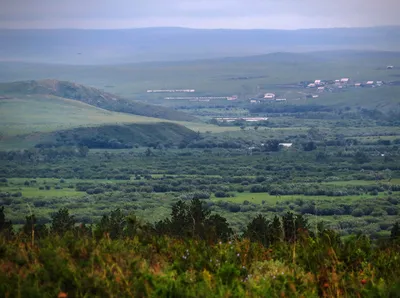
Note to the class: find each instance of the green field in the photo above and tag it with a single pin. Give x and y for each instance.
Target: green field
(37, 114)
(258, 198)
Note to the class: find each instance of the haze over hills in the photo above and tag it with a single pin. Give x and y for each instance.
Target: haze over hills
(168, 44)
(91, 96)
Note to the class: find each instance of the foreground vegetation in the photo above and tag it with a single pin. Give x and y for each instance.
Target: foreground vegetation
(192, 253)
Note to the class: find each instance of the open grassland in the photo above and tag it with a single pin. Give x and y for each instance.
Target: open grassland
(47, 113)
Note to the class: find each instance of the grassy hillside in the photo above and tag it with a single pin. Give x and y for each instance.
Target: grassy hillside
(27, 114)
(23, 120)
(91, 96)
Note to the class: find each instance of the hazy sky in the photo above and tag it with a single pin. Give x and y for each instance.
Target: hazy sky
(243, 14)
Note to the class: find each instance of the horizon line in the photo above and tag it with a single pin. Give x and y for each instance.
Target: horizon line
(205, 29)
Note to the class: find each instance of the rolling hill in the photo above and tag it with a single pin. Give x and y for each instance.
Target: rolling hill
(26, 120)
(119, 136)
(91, 96)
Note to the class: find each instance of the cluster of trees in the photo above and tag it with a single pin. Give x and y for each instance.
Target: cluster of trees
(271, 108)
(44, 153)
(188, 220)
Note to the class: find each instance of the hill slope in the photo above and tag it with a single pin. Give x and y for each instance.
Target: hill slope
(91, 96)
(166, 44)
(119, 136)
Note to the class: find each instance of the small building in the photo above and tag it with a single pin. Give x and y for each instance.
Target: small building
(357, 84)
(315, 96)
(344, 80)
(390, 67)
(317, 82)
(280, 99)
(321, 89)
(379, 83)
(253, 101)
(369, 83)
(255, 119)
(337, 81)
(286, 145)
(269, 96)
(312, 85)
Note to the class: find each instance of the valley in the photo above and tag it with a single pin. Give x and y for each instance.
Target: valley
(211, 152)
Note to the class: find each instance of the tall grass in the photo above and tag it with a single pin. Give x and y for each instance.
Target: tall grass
(159, 266)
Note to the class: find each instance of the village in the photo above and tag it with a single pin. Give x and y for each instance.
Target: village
(314, 89)
(305, 90)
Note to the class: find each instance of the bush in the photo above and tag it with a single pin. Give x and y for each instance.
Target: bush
(257, 188)
(221, 194)
(358, 212)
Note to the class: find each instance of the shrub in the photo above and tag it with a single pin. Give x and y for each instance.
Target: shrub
(358, 212)
(221, 194)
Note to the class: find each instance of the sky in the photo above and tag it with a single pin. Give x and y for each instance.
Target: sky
(210, 14)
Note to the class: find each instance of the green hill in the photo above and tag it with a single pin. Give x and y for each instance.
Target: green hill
(119, 136)
(26, 120)
(91, 96)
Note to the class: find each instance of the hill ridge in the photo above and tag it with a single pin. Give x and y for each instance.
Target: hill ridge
(91, 96)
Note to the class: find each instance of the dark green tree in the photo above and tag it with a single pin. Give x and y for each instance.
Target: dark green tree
(258, 230)
(395, 232)
(179, 222)
(218, 228)
(62, 222)
(289, 227)
(197, 215)
(5, 225)
(113, 224)
(276, 230)
(32, 229)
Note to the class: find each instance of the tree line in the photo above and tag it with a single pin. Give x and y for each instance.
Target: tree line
(187, 220)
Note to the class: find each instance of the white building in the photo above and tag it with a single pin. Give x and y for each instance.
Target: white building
(286, 145)
(344, 80)
(269, 96)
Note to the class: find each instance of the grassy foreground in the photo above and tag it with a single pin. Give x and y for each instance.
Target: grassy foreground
(166, 267)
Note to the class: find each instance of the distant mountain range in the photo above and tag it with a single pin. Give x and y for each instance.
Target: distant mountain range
(168, 44)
